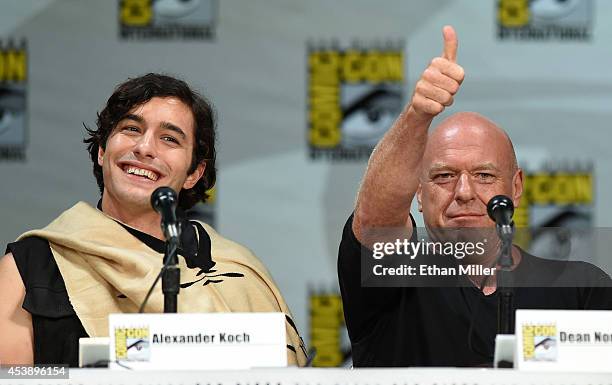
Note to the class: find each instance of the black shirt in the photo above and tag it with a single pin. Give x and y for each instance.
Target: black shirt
(442, 326)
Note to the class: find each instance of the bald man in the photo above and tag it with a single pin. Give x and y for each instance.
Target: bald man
(453, 172)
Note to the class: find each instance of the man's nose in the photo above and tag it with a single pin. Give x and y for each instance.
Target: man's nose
(146, 146)
(464, 190)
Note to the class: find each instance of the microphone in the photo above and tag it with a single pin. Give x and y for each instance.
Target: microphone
(164, 201)
(500, 209)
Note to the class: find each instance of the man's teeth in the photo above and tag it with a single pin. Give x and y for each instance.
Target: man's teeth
(139, 171)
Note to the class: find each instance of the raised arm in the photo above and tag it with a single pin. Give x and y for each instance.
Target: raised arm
(392, 176)
(16, 346)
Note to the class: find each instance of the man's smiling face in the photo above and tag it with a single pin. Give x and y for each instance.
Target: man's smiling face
(151, 146)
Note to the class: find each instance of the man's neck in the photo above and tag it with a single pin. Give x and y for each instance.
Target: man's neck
(144, 219)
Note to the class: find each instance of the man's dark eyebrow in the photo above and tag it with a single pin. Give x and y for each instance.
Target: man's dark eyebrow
(164, 125)
(172, 127)
(136, 118)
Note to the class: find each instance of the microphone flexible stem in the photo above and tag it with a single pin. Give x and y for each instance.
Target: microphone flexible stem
(505, 282)
(171, 277)
(159, 275)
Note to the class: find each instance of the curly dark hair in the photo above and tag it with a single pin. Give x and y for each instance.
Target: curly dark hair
(137, 91)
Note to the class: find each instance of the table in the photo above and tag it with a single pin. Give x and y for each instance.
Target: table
(318, 376)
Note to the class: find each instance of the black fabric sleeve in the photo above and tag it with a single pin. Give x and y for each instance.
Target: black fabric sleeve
(45, 289)
(56, 327)
(599, 295)
(362, 305)
(590, 285)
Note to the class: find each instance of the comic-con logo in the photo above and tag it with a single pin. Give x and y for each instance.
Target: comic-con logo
(13, 108)
(326, 326)
(557, 210)
(539, 342)
(132, 344)
(544, 19)
(167, 19)
(354, 95)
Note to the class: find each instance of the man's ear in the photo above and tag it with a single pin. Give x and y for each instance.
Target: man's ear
(517, 187)
(418, 197)
(195, 176)
(100, 156)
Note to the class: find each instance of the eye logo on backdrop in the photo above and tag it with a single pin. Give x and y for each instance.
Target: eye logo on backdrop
(167, 19)
(354, 95)
(556, 196)
(541, 20)
(13, 108)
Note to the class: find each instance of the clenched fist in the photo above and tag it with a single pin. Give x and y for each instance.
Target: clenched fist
(440, 81)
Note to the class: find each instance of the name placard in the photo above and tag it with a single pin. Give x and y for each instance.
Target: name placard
(197, 341)
(567, 340)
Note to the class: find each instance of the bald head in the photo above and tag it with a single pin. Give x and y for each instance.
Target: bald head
(471, 130)
(468, 160)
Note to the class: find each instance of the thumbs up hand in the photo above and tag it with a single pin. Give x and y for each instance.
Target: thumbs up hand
(440, 81)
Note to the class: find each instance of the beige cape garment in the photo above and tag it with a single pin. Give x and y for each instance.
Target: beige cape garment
(100, 261)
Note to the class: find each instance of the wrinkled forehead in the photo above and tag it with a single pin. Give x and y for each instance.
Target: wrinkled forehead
(468, 144)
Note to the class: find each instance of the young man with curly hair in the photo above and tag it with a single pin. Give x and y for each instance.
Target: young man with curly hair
(60, 283)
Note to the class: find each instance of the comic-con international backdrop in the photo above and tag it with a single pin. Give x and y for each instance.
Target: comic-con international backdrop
(303, 90)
